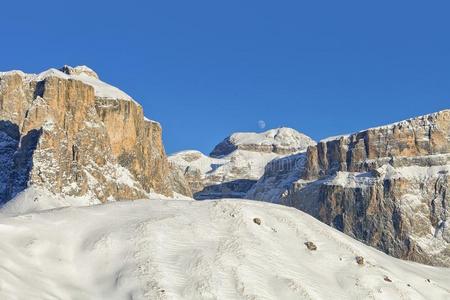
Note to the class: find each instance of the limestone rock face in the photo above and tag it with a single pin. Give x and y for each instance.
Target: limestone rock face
(73, 134)
(136, 143)
(386, 186)
(236, 163)
(369, 149)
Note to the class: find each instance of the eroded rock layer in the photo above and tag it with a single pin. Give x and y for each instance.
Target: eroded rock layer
(387, 186)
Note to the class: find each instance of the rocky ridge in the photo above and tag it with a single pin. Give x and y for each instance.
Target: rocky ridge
(386, 186)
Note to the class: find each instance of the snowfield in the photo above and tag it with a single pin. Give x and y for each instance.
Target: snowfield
(169, 249)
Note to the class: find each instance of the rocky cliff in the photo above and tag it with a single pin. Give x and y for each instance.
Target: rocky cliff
(69, 132)
(386, 186)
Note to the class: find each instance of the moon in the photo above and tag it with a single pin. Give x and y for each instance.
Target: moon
(261, 124)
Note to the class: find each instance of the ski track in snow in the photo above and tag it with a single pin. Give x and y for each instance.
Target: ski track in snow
(169, 249)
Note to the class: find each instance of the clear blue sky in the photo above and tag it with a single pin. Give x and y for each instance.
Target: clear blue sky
(205, 69)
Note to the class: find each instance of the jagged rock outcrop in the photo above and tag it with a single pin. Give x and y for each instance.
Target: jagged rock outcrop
(237, 162)
(71, 133)
(386, 186)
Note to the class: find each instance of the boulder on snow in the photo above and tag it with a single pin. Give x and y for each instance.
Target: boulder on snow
(359, 260)
(257, 221)
(311, 246)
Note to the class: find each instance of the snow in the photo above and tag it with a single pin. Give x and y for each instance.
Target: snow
(152, 122)
(12, 72)
(102, 89)
(35, 199)
(278, 137)
(49, 125)
(361, 179)
(168, 249)
(333, 138)
(351, 179)
(414, 171)
(238, 160)
(124, 176)
(424, 119)
(240, 164)
(196, 159)
(279, 176)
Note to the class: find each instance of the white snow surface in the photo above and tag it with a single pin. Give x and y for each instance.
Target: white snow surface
(359, 179)
(413, 172)
(196, 159)
(85, 74)
(169, 249)
(424, 119)
(36, 198)
(333, 138)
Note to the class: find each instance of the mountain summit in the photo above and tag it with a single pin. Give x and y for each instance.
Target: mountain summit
(70, 133)
(237, 162)
(279, 140)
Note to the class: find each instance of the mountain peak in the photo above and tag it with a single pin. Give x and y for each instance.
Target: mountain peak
(79, 70)
(278, 140)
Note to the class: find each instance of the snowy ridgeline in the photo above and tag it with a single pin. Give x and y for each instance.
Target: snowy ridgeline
(228, 249)
(81, 73)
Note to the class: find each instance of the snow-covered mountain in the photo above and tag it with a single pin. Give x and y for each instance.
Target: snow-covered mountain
(237, 162)
(279, 140)
(75, 135)
(226, 249)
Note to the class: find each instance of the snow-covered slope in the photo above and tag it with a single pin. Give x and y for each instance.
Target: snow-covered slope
(35, 198)
(197, 250)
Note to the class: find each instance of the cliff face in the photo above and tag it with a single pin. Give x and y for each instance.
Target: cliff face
(386, 186)
(369, 149)
(73, 134)
(136, 143)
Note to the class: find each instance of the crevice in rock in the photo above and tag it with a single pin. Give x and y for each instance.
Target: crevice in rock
(16, 159)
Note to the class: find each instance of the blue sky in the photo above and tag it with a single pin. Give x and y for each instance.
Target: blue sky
(205, 69)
